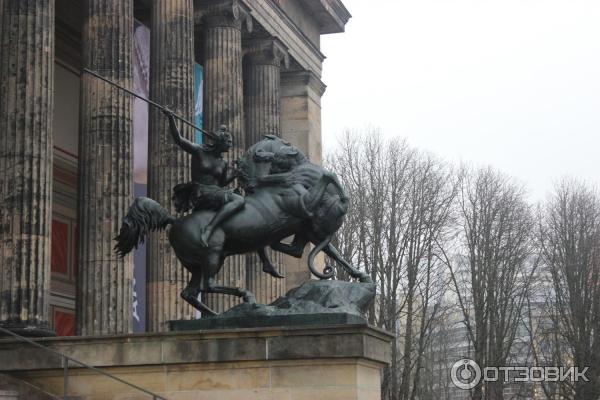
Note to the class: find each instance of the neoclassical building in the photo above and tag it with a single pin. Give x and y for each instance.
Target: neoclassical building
(70, 144)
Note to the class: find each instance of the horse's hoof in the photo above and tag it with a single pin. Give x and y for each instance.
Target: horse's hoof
(250, 299)
(273, 272)
(210, 312)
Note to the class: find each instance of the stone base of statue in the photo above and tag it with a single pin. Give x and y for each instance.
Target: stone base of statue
(334, 355)
(315, 303)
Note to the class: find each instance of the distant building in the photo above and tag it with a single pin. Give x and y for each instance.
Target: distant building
(451, 343)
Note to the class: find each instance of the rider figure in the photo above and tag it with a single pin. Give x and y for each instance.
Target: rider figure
(210, 177)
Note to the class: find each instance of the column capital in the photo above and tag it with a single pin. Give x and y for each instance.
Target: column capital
(223, 13)
(266, 51)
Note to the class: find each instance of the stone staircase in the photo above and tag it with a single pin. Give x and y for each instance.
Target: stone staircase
(12, 388)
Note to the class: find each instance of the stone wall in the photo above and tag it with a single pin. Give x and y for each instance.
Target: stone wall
(327, 362)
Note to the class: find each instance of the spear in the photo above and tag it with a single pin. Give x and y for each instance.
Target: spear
(211, 135)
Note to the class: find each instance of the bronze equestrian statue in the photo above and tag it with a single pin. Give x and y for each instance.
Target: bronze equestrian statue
(208, 187)
(286, 195)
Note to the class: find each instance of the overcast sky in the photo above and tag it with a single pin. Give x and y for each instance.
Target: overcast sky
(510, 83)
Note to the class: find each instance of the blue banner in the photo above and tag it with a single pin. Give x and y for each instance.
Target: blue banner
(198, 103)
(141, 84)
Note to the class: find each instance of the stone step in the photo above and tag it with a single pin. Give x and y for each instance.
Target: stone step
(12, 388)
(9, 395)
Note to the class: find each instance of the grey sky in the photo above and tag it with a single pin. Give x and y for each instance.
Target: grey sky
(510, 83)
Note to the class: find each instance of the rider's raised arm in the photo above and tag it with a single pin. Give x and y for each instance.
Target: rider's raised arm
(182, 142)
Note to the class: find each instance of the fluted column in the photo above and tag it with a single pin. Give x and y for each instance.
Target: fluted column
(223, 104)
(262, 93)
(26, 108)
(222, 56)
(104, 281)
(171, 84)
(262, 114)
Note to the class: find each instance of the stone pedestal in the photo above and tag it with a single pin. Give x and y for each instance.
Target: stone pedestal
(16, 389)
(9, 395)
(26, 110)
(332, 362)
(104, 282)
(171, 84)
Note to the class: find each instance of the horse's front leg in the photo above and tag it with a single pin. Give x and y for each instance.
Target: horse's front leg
(245, 294)
(267, 265)
(294, 249)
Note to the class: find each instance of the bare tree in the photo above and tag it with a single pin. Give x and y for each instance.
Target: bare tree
(439, 356)
(370, 170)
(544, 343)
(429, 196)
(399, 213)
(570, 246)
(524, 298)
(494, 226)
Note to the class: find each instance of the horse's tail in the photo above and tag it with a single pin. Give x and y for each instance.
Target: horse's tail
(144, 215)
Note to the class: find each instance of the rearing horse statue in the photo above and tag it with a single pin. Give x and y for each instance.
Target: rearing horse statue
(286, 195)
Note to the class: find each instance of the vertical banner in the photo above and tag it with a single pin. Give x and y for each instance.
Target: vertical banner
(141, 86)
(198, 104)
(198, 96)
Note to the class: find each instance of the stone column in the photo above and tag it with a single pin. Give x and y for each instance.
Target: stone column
(223, 103)
(171, 84)
(262, 97)
(26, 109)
(262, 112)
(104, 280)
(301, 93)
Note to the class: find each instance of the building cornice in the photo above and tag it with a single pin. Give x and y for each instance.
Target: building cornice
(331, 15)
(292, 81)
(300, 47)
